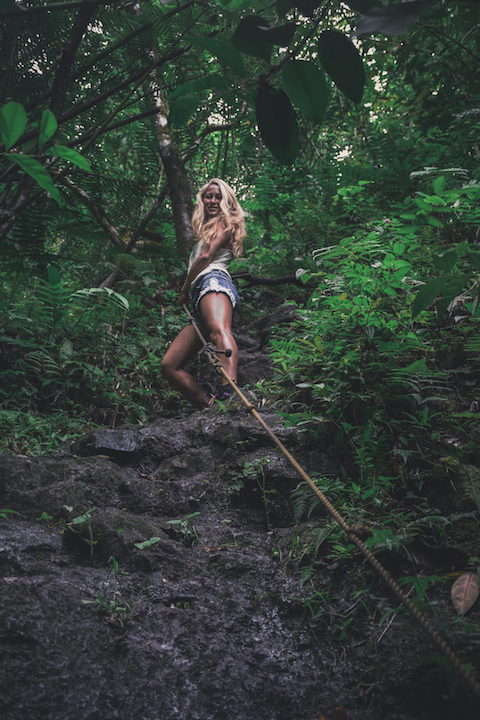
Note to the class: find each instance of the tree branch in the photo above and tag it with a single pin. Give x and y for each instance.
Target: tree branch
(96, 212)
(60, 83)
(82, 70)
(206, 131)
(115, 126)
(257, 280)
(113, 277)
(81, 107)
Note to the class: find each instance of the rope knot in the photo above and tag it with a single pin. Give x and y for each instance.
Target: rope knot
(362, 532)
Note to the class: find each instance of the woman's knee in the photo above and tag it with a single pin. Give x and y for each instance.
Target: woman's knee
(166, 368)
(219, 334)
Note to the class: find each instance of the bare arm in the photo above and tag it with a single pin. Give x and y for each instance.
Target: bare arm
(203, 261)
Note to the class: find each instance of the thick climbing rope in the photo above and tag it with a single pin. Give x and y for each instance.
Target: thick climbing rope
(351, 532)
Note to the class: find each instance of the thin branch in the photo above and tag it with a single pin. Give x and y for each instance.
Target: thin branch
(142, 225)
(105, 53)
(145, 221)
(114, 126)
(83, 69)
(96, 212)
(257, 280)
(206, 131)
(82, 107)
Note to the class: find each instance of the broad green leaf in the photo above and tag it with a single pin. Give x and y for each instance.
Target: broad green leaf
(434, 200)
(182, 110)
(197, 86)
(37, 172)
(71, 155)
(147, 543)
(465, 591)
(281, 35)
(53, 276)
(277, 124)
(434, 221)
(410, 229)
(439, 185)
(340, 59)
(446, 261)
(83, 518)
(390, 20)
(418, 367)
(13, 120)
(48, 125)
(451, 291)
(245, 39)
(221, 50)
(427, 295)
(307, 88)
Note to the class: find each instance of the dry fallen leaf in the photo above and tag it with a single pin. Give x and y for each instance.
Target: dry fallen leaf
(465, 591)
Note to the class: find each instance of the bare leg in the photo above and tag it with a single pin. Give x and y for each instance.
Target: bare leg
(217, 314)
(185, 346)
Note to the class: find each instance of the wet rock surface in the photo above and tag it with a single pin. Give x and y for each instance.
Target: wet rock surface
(208, 622)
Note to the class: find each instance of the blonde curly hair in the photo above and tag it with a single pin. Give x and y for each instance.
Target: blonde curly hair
(231, 217)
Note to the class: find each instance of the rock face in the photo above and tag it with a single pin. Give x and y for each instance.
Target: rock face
(209, 621)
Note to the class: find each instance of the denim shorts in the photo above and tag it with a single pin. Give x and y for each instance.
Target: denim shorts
(214, 281)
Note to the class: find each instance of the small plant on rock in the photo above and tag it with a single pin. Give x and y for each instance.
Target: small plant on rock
(116, 612)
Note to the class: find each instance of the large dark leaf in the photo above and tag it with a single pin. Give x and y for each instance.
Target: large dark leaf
(221, 50)
(245, 39)
(38, 173)
(13, 120)
(307, 88)
(48, 126)
(446, 261)
(71, 155)
(340, 59)
(427, 295)
(390, 20)
(281, 35)
(197, 86)
(277, 124)
(182, 110)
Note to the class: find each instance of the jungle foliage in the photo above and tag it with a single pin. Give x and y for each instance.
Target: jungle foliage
(350, 133)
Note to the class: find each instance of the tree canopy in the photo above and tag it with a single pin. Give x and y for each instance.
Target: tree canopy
(350, 133)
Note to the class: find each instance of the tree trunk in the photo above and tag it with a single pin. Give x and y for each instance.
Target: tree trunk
(178, 183)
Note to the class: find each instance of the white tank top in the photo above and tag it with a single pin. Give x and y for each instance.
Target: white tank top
(220, 261)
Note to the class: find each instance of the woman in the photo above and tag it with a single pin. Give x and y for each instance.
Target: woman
(219, 226)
